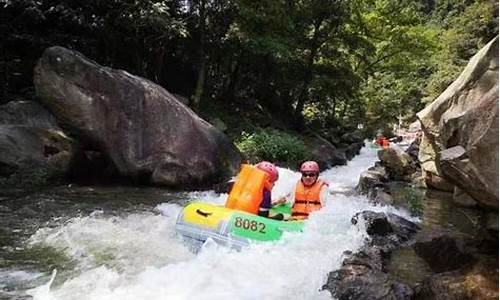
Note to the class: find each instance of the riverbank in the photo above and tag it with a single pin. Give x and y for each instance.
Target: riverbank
(455, 253)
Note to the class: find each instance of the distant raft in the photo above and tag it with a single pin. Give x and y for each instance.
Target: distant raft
(199, 221)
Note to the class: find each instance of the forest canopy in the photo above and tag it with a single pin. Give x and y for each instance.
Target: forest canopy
(312, 63)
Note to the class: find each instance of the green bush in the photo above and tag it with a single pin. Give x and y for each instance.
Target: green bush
(271, 145)
(414, 202)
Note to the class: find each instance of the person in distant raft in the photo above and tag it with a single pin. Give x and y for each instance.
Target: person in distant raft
(310, 192)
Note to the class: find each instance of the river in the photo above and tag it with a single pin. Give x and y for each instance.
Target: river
(81, 243)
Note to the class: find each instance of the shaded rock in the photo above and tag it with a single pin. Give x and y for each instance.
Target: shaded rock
(353, 149)
(376, 223)
(430, 173)
(388, 231)
(219, 124)
(223, 187)
(181, 99)
(478, 282)
(145, 131)
(413, 149)
(398, 164)
(36, 154)
(26, 113)
(461, 127)
(445, 251)
(370, 179)
(324, 152)
(382, 198)
(352, 138)
(461, 198)
(492, 224)
(363, 275)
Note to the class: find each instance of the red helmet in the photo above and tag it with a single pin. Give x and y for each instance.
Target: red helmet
(270, 169)
(309, 166)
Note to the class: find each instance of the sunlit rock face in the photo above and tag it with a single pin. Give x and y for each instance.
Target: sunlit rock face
(146, 132)
(461, 127)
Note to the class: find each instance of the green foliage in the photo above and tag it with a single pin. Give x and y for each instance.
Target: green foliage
(414, 202)
(321, 62)
(30, 175)
(466, 27)
(271, 145)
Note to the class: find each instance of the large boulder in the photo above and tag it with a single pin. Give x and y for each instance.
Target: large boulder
(324, 152)
(413, 150)
(146, 132)
(398, 164)
(461, 126)
(427, 157)
(369, 180)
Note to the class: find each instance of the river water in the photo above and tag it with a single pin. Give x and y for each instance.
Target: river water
(81, 243)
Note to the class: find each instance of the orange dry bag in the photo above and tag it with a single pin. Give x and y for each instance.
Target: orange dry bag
(248, 190)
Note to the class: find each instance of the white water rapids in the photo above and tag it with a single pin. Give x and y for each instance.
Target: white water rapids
(139, 256)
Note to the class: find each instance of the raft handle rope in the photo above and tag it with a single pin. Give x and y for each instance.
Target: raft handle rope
(205, 214)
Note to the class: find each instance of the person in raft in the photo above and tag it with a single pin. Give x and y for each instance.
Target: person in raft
(267, 203)
(262, 202)
(310, 192)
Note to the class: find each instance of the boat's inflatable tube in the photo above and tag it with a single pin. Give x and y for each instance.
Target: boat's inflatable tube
(199, 221)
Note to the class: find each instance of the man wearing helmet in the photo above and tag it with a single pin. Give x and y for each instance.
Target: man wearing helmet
(310, 192)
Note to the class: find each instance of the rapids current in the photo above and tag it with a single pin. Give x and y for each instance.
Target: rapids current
(127, 249)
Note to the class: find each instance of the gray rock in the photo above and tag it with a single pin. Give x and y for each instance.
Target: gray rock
(461, 198)
(471, 283)
(398, 164)
(362, 275)
(35, 151)
(26, 113)
(371, 179)
(383, 198)
(461, 130)
(324, 152)
(492, 223)
(219, 124)
(352, 138)
(146, 132)
(445, 250)
(388, 231)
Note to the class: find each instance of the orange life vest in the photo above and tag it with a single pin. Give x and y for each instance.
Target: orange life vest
(248, 190)
(307, 199)
(385, 143)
